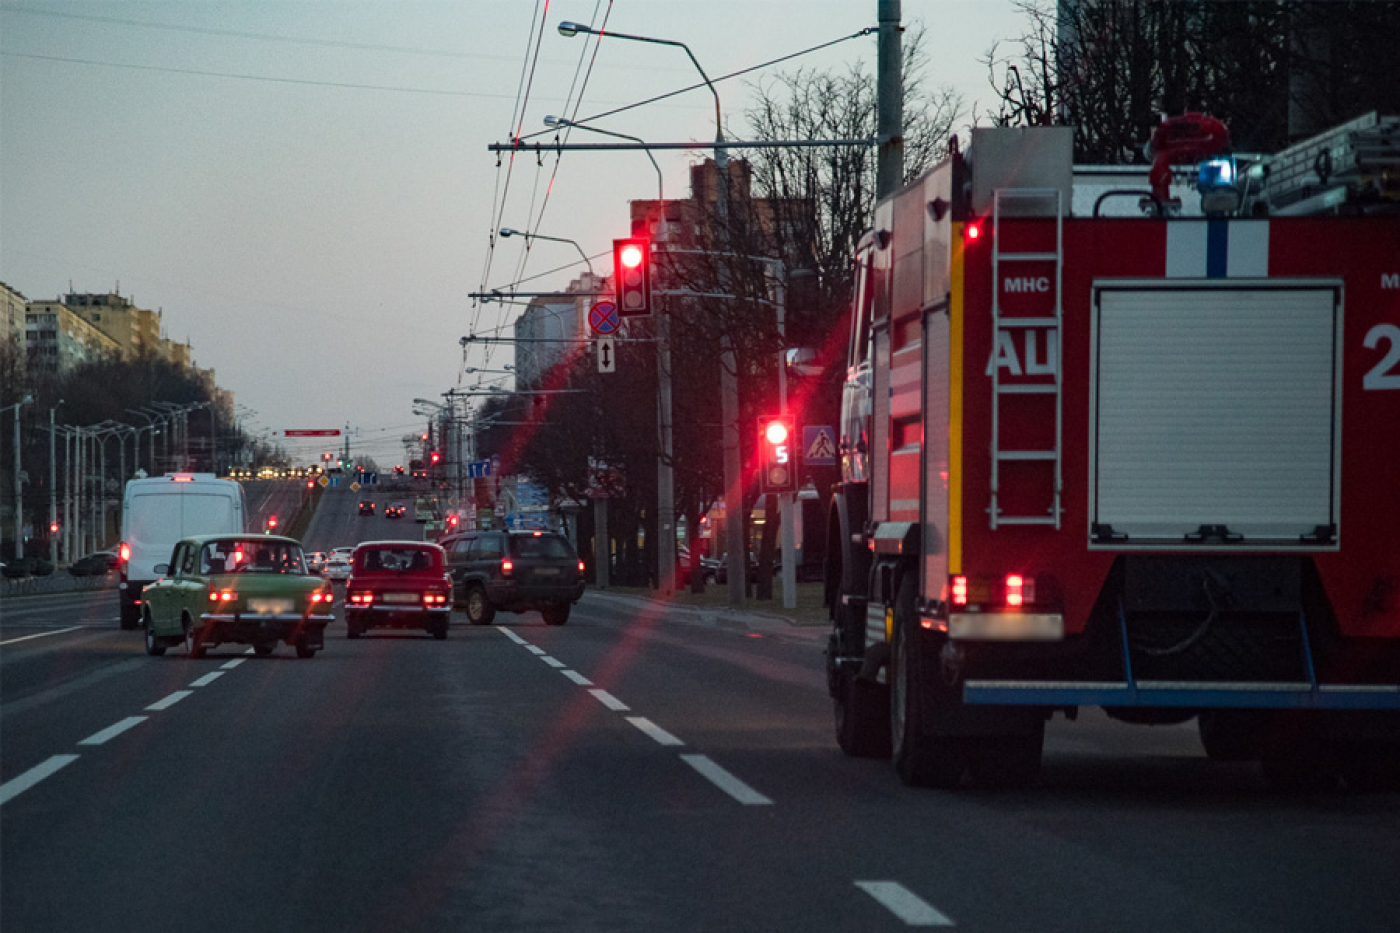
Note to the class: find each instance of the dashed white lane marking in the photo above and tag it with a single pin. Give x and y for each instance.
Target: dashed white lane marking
(577, 678)
(230, 665)
(112, 731)
(904, 904)
(536, 650)
(610, 701)
(726, 781)
(169, 701)
(553, 662)
(511, 635)
(57, 631)
(21, 783)
(661, 736)
(207, 679)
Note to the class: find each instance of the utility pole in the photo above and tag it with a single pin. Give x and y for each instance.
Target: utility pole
(889, 119)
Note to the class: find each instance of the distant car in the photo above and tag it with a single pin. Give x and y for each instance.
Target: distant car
(366, 506)
(515, 571)
(337, 569)
(316, 561)
(343, 552)
(95, 564)
(248, 589)
(395, 510)
(398, 584)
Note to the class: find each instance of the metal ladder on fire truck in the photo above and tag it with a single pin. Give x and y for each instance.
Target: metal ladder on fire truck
(1036, 202)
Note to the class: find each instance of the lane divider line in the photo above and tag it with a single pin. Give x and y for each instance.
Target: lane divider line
(57, 631)
(577, 678)
(650, 728)
(725, 781)
(536, 650)
(207, 679)
(555, 663)
(913, 910)
(169, 701)
(610, 701)
(22, 782)
(230, 665)
(112, 731)
(511, 635)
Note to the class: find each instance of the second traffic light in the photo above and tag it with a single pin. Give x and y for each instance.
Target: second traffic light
(777, 465)
(632, 276)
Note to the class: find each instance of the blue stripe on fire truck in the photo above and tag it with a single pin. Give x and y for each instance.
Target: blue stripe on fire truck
(1217, 249)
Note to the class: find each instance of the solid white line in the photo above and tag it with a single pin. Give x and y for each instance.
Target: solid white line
(652, 729)
(57, 631)
(112, 731)
(904, 904)
(554, 662)
(169, 701)
(21, 783)
(726, 781)
(230, 665)
(610, 701)
(577, 678)
(207, 679)
(511, 635)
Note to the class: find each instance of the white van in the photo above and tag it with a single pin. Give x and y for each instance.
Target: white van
(159, 511)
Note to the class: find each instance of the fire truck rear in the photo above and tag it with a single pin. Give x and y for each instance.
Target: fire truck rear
(1098, 452)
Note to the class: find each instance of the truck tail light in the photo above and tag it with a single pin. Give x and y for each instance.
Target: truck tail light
(580, 565)
(507, 565)
(1015, 590)
(124, 552)
(959, 590)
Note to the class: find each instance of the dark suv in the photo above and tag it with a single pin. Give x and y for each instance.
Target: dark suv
(514, 571)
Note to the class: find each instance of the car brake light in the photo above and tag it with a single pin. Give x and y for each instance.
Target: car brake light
(959, 590)
(222, 596)
(363, 598)
(580, 566)
(182, 478)
(507, 565)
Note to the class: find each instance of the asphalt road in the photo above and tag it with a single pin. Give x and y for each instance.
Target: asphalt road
(637, 769)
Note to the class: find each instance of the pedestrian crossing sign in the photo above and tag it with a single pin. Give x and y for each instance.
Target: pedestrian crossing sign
(818, 445)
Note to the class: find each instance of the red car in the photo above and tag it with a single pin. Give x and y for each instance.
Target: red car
(398, 584)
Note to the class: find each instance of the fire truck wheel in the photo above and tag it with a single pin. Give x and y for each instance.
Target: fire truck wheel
(1006, 761)
(862, 709)
(921, 760)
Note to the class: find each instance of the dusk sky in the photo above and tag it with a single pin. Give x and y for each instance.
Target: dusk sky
(304, 189)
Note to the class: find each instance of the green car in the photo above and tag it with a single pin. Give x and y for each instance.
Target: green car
(249, 589)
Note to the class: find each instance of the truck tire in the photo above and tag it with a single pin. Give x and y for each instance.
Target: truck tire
(921, 760)
(1371, 767)
(557, 614)
(862, 713)
(1300, 764)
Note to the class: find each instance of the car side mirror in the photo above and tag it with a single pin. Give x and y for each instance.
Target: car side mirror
(162, 569)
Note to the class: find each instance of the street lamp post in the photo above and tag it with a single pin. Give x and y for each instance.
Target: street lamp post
(729, 374)
(19, 487)
(528, 236)
(53, 488)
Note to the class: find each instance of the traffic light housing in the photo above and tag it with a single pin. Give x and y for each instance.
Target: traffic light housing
(632, 276)
(777, 440)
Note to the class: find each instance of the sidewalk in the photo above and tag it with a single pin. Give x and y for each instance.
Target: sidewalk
(60, 581)
(712, 607)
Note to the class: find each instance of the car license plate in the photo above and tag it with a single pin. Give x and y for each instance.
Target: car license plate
(267, 607)
(546, 571)
(401, 597)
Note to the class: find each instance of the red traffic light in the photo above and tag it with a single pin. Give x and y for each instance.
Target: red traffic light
(632, 276)
(777, 463)
(436, 456)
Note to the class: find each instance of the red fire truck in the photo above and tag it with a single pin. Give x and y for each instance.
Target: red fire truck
(1105, 449)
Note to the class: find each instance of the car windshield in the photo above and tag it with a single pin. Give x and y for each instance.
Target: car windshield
(251, 555)
(398, 560)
